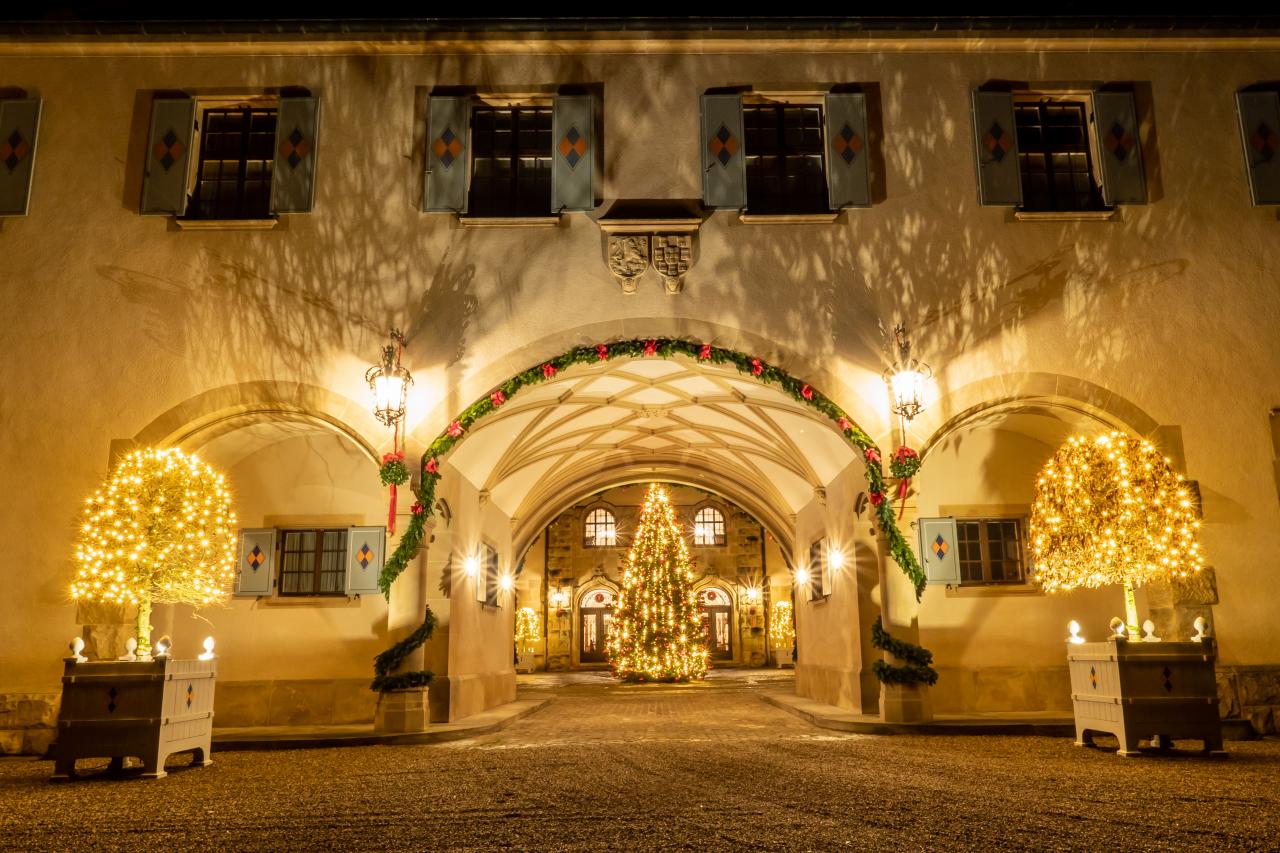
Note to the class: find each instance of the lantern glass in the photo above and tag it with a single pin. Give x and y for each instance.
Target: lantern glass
(907, 385)
(389, 383)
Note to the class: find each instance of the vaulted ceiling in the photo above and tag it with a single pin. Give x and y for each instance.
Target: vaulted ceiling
(627, 417)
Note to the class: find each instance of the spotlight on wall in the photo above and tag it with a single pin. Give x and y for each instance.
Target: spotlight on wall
(506, 582)
(802, 576)
(471, 566)
(835, 559)
(753, 595)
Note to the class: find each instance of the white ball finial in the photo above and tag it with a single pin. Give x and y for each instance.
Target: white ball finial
(77, 646)
(1074, 627)
(1149, 632)
(1202, 629)
(208, 649)
(130, 649)
(1117, 626)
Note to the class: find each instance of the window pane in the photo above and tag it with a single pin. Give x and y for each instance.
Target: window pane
(1053, 156)
(511, 155)
(784, 159)
(237, 147)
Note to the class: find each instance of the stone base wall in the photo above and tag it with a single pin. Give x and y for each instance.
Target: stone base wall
(1251, 693)
(961, 690)
(829, 685)
(28, 722)
(299, 702)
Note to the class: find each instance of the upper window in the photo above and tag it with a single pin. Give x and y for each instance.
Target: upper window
(492, 580)
(708, 527)
(233, 178)
(600, 530)
(990, 550)
(818, 577)
(1054, 155)
(511, 161)
(313, 562)
(784, 159)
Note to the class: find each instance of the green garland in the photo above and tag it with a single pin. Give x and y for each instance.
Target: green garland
(757, 368)
(384, 663)
(918, 661)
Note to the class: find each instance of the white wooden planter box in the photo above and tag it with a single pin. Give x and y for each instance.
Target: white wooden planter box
(527, 663)
(1145, 690)
(145, 709)
(782, 656)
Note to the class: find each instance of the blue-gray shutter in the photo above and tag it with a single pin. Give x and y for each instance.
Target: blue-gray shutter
(574, 154)
(19, 124)
(168, 161)
(938, 550)
(448, 155)
(365, 548)
(1115, 120)
(848, 172)
(1260, 133)
(995, 136)
(257, 561)
(293, 174)
(724, 169)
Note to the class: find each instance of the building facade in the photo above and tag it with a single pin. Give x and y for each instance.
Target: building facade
(206, 238)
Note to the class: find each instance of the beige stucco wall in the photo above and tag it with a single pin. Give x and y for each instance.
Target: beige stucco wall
(119, 318)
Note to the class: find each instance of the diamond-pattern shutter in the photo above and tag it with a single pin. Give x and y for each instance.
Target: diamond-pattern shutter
(724, 169)
(848, 172)
(996, 139)
(19, 124)
(293, 174)
(168, 160)
(938, 551)
(257, 561)
(448, 155)
(1260, 133)
(574, 155)
(365, 549)
(1116, 125)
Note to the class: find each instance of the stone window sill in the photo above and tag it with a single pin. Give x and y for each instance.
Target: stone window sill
(510, 221)
(315, 601)
(227, 224)
(1066, 215)
(788, 218)
(993, 590)
(820, 599)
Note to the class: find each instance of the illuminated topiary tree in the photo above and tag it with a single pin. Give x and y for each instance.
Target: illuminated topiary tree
(782, 628)
(1111, 510)
(161, 529)
(528, 630)
(657, 630)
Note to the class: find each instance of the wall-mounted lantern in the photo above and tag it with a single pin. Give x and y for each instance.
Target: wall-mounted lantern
(906, 378)
(389, 382)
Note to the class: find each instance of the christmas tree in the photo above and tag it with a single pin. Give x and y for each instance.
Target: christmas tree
(657, 628)
(161, 530)
(1111, 510)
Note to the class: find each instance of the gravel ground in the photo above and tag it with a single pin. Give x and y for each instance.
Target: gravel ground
(706, 766)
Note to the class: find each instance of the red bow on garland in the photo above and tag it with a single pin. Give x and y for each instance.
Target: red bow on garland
(391, 464)
(904, 465)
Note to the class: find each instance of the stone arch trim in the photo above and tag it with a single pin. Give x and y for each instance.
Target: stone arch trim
(217, 411)
(1034, 390)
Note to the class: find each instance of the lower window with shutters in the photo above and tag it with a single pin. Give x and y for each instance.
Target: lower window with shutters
(313, 562)
(991, 551)
(510, 161)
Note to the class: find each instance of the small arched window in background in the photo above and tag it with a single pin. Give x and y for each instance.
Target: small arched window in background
(708, 527)
(600, 529)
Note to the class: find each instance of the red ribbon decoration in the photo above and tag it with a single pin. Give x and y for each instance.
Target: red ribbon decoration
(902, 495)
(391, 512)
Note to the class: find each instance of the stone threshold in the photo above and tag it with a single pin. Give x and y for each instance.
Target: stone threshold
(1040, 723)
(315, 737)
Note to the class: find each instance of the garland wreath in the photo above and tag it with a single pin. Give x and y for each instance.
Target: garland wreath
(917, 669)
(411, 540)
(383, 664)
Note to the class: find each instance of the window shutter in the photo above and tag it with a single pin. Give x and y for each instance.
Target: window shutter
(256, 568)
(938, 550)
(19, 124)
(448, 155)
(1115, 121)
(573, 135)
(1260, 133)
(164, 178)
(724, 170)
(995, 134)
(365, 549)
(293, 174)
(848, 172)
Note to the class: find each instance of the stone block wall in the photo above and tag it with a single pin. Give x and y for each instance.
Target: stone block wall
(28, 722)
(1251, 693)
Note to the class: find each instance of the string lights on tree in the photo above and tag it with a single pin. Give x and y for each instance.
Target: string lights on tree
(657, 630)
(1111, 510)
(161, 529)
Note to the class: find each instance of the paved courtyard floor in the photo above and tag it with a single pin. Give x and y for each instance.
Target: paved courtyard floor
(699, 767)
